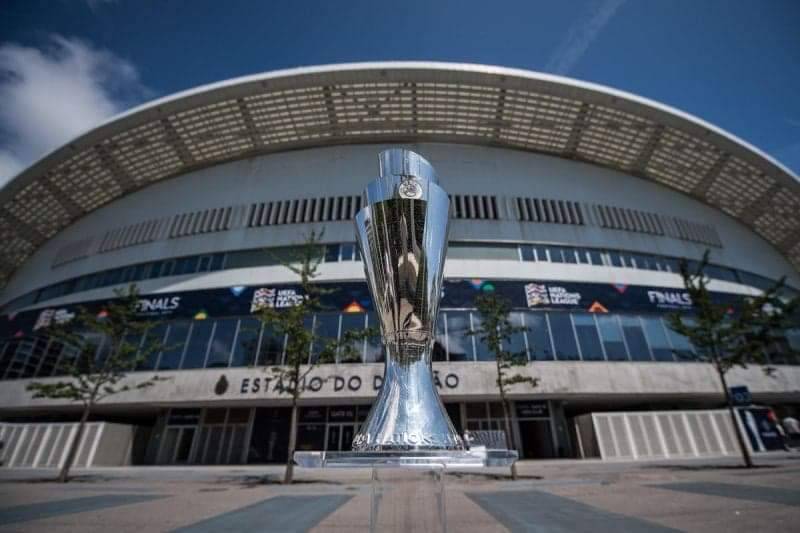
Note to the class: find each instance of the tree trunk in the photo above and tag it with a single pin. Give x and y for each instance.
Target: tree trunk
(509, 434)
(63, 476)
(748, 462)
(289, 474)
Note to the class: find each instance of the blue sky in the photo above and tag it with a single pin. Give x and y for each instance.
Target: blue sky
(66, 65)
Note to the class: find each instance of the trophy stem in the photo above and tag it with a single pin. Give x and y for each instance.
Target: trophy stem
(408, 413)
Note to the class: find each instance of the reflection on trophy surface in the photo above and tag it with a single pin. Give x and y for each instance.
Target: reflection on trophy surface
(402, 233)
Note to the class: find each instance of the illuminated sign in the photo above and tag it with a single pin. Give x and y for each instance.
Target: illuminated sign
(674, 299)
(274, 298)
(48, 317)
(541, 294)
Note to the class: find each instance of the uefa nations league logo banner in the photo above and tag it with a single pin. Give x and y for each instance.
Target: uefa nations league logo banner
(353, 297)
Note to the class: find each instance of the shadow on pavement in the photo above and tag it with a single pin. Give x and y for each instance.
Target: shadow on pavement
(249, 481)
(490, 476)
(707, 468)
(80, 478)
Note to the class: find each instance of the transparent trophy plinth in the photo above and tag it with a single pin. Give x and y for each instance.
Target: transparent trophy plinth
(407, 439)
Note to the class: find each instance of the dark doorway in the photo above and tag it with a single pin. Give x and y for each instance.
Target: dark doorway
(270, 436)
(537, 439)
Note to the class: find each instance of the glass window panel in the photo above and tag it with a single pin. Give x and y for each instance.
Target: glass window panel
(151, 346)
(634, 337)
(611, 334)
(497, 252)
(541, 253)
(563, 337)
(187, 265)
(204, 264)
(476, 410)
(217, 261)
(459, 344)
(555, 254)
(440, 342)
(681, 346)
(112, 277)
(615, 259)
(8, 354)
(174, 345)
(642, 263)
(49, 361)
(155, 270)
(538, 334)
(657, 339)
(569, 255)
(271, 351)
(326, 328)
(595, 257)
(672, 265)
(348, 249)
(583, 256)
(589, 340)
(793, 338)
(138, 271)
(527, 253)
(352, 322)
(331, 253)
(167, 268)
(35, 357)
(219, 350)
(516, 344)
(244, 352)
(482, 352)
(197, 346)
(127, 274)
(66, 360)
(627, 260)
(374, 353)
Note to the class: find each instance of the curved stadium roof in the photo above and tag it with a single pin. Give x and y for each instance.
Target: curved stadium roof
(398, 102)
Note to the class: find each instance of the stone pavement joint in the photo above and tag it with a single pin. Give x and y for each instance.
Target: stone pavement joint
(37, 511)
(739, 492)
(280, 514)
(541, 512)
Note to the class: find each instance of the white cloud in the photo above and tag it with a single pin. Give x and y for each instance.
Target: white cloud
(53, 94)
(581, 35)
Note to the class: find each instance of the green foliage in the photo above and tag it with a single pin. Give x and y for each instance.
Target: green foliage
(495, 331)
(292, 322)
(91, 377)
(728, 337)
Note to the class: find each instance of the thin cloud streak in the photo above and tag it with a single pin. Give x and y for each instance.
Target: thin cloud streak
(580, 37)
(53, 94)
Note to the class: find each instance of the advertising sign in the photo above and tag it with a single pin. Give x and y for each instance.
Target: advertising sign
(354, 297)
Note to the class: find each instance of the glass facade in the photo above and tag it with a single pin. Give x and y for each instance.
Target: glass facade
(242, 341)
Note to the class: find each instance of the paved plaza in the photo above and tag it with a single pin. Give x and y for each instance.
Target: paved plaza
(551, 496)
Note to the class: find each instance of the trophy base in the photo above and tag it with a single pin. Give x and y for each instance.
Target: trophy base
(408, 487)
(476, 457)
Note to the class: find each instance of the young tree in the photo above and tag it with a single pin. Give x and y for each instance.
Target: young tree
(94, 375)
(495, 331)
(291, 322)
(727, 337)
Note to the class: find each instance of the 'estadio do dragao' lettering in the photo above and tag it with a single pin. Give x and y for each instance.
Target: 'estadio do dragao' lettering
(332, 384)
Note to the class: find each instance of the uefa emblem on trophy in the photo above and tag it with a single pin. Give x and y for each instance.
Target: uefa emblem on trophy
(402, 234)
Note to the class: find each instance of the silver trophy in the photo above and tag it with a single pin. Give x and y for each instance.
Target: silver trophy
(402, 234)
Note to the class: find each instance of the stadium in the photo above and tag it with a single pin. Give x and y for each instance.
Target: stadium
(575, 201)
